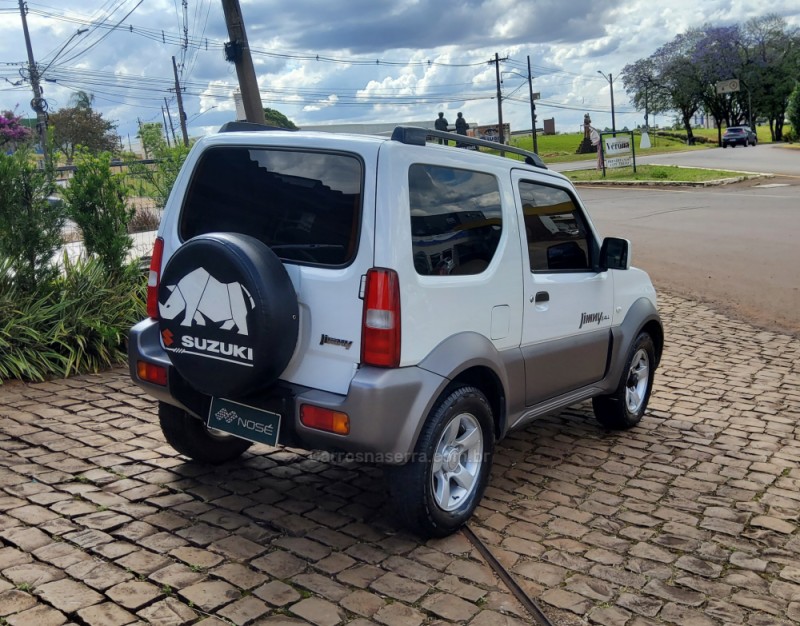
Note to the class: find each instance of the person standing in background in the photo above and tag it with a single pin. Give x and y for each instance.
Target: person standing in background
(441, 124)
(461, 127)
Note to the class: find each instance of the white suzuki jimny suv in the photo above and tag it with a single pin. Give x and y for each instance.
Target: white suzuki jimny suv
(404, 302)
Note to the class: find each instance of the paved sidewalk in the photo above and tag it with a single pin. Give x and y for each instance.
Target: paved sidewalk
(691, 518)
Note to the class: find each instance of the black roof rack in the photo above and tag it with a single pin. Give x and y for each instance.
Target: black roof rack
(236, 127)
(416, 136)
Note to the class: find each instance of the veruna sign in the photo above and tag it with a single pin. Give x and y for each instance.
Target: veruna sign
(616, 145)
(617, 150)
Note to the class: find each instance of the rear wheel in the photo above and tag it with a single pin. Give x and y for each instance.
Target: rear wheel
(190, 436)
(625, 407)
(437, 491)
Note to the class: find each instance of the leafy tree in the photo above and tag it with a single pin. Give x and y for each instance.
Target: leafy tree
(681, 75)
(12, 131)
(276, 118)
(716, 57)
(82, 100)
(666, 77)
(96, 201)
(151, 134)
(82, 126)
(771, 65)
(30, 225)
(793, 112)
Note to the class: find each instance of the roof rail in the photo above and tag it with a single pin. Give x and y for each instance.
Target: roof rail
(416, 136)
(235, 127)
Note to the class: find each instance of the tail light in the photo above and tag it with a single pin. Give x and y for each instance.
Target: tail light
(380, 332)
(324, 419)
(152, 373)
(154, 277)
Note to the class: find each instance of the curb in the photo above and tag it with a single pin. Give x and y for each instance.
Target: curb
(673, 183)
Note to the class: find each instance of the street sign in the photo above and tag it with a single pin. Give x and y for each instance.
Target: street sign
(616, 145)
(537, 95)
(617, 150)
(727, 86)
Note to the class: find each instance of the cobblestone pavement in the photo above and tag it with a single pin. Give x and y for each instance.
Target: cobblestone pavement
(691, 518)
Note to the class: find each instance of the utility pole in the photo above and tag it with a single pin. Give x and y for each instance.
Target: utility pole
(533, 108)
(169, 117)
(237, 50)
(181, 113)
(38, 103)
(166, 134)
(496, 62)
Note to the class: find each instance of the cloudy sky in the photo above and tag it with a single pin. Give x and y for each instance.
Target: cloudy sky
(345, 61)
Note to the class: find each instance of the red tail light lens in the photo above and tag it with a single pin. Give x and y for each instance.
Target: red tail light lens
(380, 334)
(324, 419)
(151, 373)
(154, 278)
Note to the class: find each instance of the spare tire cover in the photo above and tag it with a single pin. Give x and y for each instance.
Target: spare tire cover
(228, 314)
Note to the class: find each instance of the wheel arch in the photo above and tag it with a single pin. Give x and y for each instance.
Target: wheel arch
(472, 359)
(641, 316)
(656, 331)
(486, 380)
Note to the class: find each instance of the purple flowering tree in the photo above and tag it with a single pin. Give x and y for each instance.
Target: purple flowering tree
(12, 132)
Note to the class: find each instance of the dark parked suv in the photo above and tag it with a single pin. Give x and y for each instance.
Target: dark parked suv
(738, 135)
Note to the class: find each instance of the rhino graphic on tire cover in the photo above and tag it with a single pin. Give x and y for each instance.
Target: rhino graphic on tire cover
(202, 296)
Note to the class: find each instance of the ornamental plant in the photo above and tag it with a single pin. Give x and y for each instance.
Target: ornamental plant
(97, 202)
(30, 224)
(12, 132)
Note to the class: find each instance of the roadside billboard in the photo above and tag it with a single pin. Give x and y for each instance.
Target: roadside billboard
(618, 150)
(490, 132)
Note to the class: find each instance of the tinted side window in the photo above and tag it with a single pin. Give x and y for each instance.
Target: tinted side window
(456, 219)
(306, 206)
(558, 238)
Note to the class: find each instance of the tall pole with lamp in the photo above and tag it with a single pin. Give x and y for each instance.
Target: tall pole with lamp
(610, 80)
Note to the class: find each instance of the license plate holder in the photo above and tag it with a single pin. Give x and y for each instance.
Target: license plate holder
(244, 421)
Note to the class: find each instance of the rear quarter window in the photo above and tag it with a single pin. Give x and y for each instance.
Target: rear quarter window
(304, 205)
(456, 219)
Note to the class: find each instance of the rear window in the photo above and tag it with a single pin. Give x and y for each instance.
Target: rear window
(304, 205)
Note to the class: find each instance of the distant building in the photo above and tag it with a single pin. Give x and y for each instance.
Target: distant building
(378, 128)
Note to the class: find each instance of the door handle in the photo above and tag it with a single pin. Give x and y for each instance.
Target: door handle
(541, 296)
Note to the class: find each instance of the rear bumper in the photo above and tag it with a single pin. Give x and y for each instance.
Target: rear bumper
(386, 407)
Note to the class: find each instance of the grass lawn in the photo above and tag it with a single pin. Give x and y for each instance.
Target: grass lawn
(561, 148)
(660, 173)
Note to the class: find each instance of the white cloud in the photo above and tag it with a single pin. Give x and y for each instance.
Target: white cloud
(130, 73)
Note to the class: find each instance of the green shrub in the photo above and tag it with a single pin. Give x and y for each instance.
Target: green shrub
(155, 180)
(793, 113)
(96, 201)
(30, 225)
(76, 323)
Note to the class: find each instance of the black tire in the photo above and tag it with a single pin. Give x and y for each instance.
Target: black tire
(189, 436)
(430, 501)
(228, 314)
(625, 407)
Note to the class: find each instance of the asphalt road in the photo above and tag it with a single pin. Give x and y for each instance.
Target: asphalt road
(778, 159)
(732, 246)
(775, 159)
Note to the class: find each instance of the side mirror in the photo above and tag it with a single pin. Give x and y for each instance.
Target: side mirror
(615, 254)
